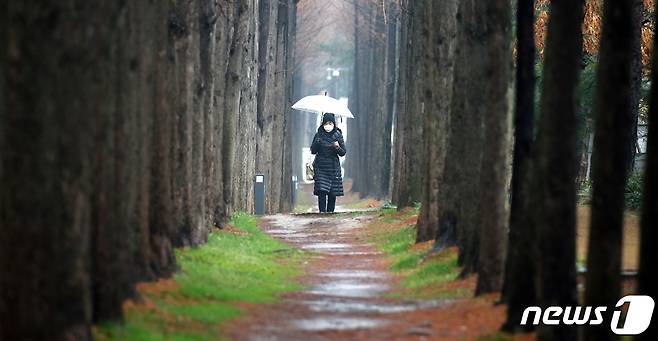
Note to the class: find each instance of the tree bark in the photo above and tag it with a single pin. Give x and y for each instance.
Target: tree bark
(409, 171)
(399, 186)
(519, 283)
(438, 44)
(378, 129)
(554, 203)
(466, 130)
(354, 162)
(493, 175)
(614, 130)
(232, 84)
(46, 193)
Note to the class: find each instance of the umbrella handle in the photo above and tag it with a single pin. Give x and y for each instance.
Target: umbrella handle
(325, 93)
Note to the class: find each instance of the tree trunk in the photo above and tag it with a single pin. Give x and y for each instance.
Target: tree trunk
(466, 131)
(46, 187)
(398, 129)
(355, 163)
(554, 202)
(409, 133)
(438, 44)
(614, 130)
(378, 129)
(232, 84)
(392, 75)
(493, 175)
(519, 283)
(399, 184)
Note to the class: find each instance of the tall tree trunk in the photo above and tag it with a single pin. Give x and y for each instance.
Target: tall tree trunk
(439, 26)
(46, 194)
(466, 130)
(354, 162)
(378, 130)
(267, 36)
(647, 279)
(162, 229)
(409, 157)
(554, 202)
(392, 75)
(245, 130)
(287, 204)
(519, 283)
(413, 129)
(232, 99)
(398, 183)
(182, 42)
(613, 133)
(493, 175)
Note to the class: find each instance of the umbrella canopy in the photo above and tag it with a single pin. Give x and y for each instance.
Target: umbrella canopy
(321, 104)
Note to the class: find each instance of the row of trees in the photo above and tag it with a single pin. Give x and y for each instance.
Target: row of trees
(455, 107)
(401, 60)
(128, 128)
(373, 96)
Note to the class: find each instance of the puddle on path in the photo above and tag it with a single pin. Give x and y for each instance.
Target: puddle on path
(349, 289)
(354, 274)
(298, 236)
(350, 306)
(357, 307)
(356, 253)
(282, 231)
(337, 323)
(325, 246)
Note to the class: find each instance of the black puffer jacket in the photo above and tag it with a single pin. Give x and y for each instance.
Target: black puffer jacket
(328, 177)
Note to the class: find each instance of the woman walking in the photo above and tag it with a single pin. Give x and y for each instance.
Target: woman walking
(328, 144)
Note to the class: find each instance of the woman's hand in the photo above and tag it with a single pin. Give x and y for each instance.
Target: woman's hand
(336, 144)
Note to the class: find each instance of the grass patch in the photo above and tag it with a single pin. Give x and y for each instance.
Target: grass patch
(435, 276)
(238, 264)
(432, 272)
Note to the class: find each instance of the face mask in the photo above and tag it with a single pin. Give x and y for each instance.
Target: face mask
(328, 127)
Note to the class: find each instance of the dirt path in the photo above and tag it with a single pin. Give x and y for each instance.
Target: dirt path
(346, 289)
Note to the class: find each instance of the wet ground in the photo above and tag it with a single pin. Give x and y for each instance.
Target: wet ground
(347, 288)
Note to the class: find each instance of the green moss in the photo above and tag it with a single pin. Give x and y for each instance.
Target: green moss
(230, 268)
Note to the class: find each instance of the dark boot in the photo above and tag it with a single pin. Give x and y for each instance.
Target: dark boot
(331, 204)
(322, 203)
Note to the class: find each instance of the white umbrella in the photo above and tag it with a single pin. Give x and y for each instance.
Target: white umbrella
(321, 104)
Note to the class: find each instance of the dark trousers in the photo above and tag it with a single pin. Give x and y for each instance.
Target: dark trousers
(326, 205)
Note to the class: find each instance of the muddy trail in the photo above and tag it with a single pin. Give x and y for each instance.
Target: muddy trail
(347, 289)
